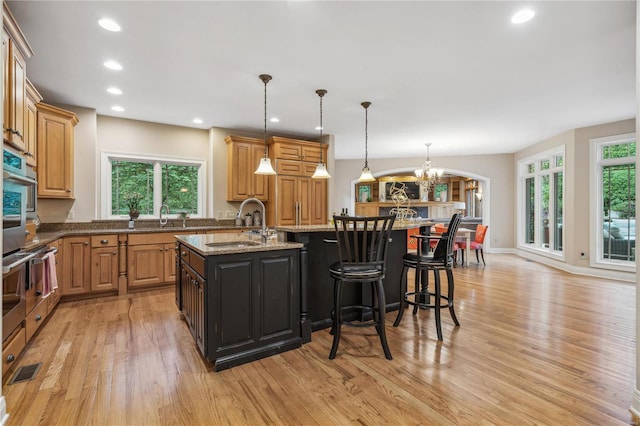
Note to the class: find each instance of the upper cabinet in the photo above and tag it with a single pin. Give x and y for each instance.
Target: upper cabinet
(15, 49)
(55, 151)
(31, 125)
(243, 157)
(299, 199)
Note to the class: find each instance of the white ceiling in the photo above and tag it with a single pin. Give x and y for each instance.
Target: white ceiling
(457, 74)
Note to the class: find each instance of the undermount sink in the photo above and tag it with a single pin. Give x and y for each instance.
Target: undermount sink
(234, 244)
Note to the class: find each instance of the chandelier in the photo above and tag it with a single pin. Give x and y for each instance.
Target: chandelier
(427, 176)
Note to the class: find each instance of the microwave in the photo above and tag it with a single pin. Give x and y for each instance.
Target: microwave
(19, 198)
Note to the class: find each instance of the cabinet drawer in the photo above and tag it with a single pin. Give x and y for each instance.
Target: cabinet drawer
(288, 152)
(36, 318)
(12, 351)
(159, 238)
(104, 241)
(291, 168)
(309, 169)
(196, 262)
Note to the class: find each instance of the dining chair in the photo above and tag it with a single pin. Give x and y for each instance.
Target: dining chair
(362, 251)
(442, 258)
(476, 244)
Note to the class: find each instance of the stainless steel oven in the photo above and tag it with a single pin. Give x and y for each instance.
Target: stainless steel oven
(19, 195)
(15, 283)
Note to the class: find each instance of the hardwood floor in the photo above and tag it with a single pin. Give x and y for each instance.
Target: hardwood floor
(536, 346)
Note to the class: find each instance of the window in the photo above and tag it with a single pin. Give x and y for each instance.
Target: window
(541, 199)
(615, 201)
(177, 183)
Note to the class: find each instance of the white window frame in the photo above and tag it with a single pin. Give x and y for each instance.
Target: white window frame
(105, 165)
(523, 175)
(595, 184)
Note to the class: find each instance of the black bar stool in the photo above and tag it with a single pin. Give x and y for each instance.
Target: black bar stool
(441, 259)
(362, 247)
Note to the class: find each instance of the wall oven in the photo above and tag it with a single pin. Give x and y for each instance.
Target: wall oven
(19, 196)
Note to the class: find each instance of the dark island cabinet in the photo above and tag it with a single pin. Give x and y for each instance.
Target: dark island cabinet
(244, 306)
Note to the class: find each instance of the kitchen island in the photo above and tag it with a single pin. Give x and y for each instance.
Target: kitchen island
(316, 286)
(239, 297)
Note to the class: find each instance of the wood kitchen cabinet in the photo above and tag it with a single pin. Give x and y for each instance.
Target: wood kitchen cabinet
(299, 199)
(243, 157)
(31, 125)
(15, 51)
(150, 259)
(76, 266)
(55, 151)
(104, 262)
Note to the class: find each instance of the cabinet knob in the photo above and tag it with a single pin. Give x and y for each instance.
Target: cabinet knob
(11, 358)
(68, 190)
(86, 243)
(114, 253)
(38, 317)
(104, 241)
(184, 253)
(38, 293)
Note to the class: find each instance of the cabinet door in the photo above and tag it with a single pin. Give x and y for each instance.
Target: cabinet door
(169, 263)
(31, 126)
(243, 157)
(287, 198)
(15, 95)
(76, 278)
(318, 202)
(198, 313)
(145, 265)
(304, 200)
(55, 155)
(104, 269)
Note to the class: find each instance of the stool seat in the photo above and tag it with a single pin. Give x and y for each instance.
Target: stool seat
(355, 271)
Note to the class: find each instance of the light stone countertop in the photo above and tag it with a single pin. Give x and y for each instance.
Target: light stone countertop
(398, 225)
(218, 244)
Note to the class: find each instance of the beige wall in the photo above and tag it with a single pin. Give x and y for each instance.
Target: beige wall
(577, 208)
(498, 190)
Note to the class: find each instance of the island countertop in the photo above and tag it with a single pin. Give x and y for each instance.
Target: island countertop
(399, 225)
(217, 244)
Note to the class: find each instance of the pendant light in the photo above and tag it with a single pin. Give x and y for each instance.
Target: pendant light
(366, 175)
(265, 168)
(321, 171)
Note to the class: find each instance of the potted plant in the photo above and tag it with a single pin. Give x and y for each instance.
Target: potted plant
(133, 201)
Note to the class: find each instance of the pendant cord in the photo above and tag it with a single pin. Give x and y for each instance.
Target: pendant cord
(321, 156)
(265, 119)
(366, 137)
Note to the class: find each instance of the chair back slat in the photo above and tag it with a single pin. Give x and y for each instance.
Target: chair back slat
(444, 250)
(363, 240)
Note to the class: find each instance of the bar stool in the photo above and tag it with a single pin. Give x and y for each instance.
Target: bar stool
(441, 259)
(362, 247)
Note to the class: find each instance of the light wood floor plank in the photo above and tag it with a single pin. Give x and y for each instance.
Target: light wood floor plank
(536, 346)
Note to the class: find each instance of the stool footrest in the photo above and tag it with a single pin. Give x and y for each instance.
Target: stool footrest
(426, 296)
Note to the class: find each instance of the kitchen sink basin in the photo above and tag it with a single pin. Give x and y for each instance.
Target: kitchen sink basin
(233, 244)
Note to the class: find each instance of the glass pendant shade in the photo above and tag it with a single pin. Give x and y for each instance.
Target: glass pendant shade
(265, 168)
(321, 170)
(366, 175)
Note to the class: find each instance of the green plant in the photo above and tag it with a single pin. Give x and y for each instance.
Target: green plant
(133, 201)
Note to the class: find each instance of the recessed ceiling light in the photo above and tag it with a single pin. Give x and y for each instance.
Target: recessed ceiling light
(319, 128)
(522, 16)
(113, 65)
(117, 108)
(197, 120)
(274, 120)
(109, 24)
(114, 91)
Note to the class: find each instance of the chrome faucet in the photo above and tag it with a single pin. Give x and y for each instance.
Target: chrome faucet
(263, 232)
(163, 221)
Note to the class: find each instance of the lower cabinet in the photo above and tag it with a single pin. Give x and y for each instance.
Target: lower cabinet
(150, 259)
(90, 264)
(241, 307)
